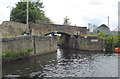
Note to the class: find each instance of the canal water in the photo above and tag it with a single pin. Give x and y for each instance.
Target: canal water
(65, 63)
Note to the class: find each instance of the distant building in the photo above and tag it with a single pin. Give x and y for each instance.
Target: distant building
(91, 27)
(116, 29)
(102, 28)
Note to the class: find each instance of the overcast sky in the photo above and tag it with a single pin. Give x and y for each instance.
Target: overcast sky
(80, 12)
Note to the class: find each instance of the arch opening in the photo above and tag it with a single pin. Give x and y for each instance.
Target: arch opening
(62, 38)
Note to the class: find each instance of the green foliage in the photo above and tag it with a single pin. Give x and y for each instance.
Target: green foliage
(108, 42)
(58, 39)
(36, 14)
(10, 55)
(88, 30)
(7, 56)
(116, 40)
(30, 49)
(101, 34)
(66, 21)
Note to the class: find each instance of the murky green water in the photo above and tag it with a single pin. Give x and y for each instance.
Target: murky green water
(65, 63)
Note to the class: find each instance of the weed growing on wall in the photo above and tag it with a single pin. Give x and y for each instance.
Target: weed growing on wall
(58, 39)
(10, 55)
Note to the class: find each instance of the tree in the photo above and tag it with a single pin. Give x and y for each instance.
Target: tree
(36, 14)
(66, 21)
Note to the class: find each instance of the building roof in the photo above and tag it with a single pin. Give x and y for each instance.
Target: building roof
(103, 25)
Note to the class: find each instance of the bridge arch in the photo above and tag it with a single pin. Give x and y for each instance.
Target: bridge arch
(55, 32)
(63, 40)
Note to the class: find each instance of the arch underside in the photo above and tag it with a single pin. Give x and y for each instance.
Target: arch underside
(63, 33)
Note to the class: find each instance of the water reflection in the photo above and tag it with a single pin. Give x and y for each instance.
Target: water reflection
(65, 63)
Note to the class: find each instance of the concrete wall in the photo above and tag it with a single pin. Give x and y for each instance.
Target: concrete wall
(45, 44)
(41, 45)
(13, 28)
(82, 43)
(17, 43)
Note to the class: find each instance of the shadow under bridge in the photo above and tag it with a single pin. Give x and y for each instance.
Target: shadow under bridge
(63, 38)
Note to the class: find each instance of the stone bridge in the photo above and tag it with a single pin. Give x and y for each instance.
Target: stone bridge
(42, 29)
(72, 37)
(15, 28)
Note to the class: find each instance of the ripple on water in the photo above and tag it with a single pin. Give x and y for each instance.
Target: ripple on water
(69, 63)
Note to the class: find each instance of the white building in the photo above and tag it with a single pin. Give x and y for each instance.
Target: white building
(102, 28)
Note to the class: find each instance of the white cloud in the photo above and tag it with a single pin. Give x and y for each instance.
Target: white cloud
(95, 3)
(4, 11)
(80, 12)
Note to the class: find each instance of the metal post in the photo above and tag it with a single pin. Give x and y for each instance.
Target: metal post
(27, 13)
(103, 45)
(10, 9)
(108, 21)
(112, 45)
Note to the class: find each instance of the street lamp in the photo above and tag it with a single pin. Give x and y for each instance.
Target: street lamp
(27, 12)
(10, 8)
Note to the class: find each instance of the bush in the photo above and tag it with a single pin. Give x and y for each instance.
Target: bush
(108, 42)
(101, 34)
(8, 56)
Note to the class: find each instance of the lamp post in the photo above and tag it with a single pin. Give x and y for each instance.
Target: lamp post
(27, 14)
(10, 8)
(108, 21)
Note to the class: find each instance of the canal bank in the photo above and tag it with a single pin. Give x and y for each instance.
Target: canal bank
(32, 45)
(17, 47)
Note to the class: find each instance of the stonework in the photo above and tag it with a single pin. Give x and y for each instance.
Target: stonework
(42, 29)
(71, 38)
(41, 45)
(15, 28)
(82, 43)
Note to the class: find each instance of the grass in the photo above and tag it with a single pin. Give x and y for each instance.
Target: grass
(5, 36)
(10, 55)
(90, 35)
